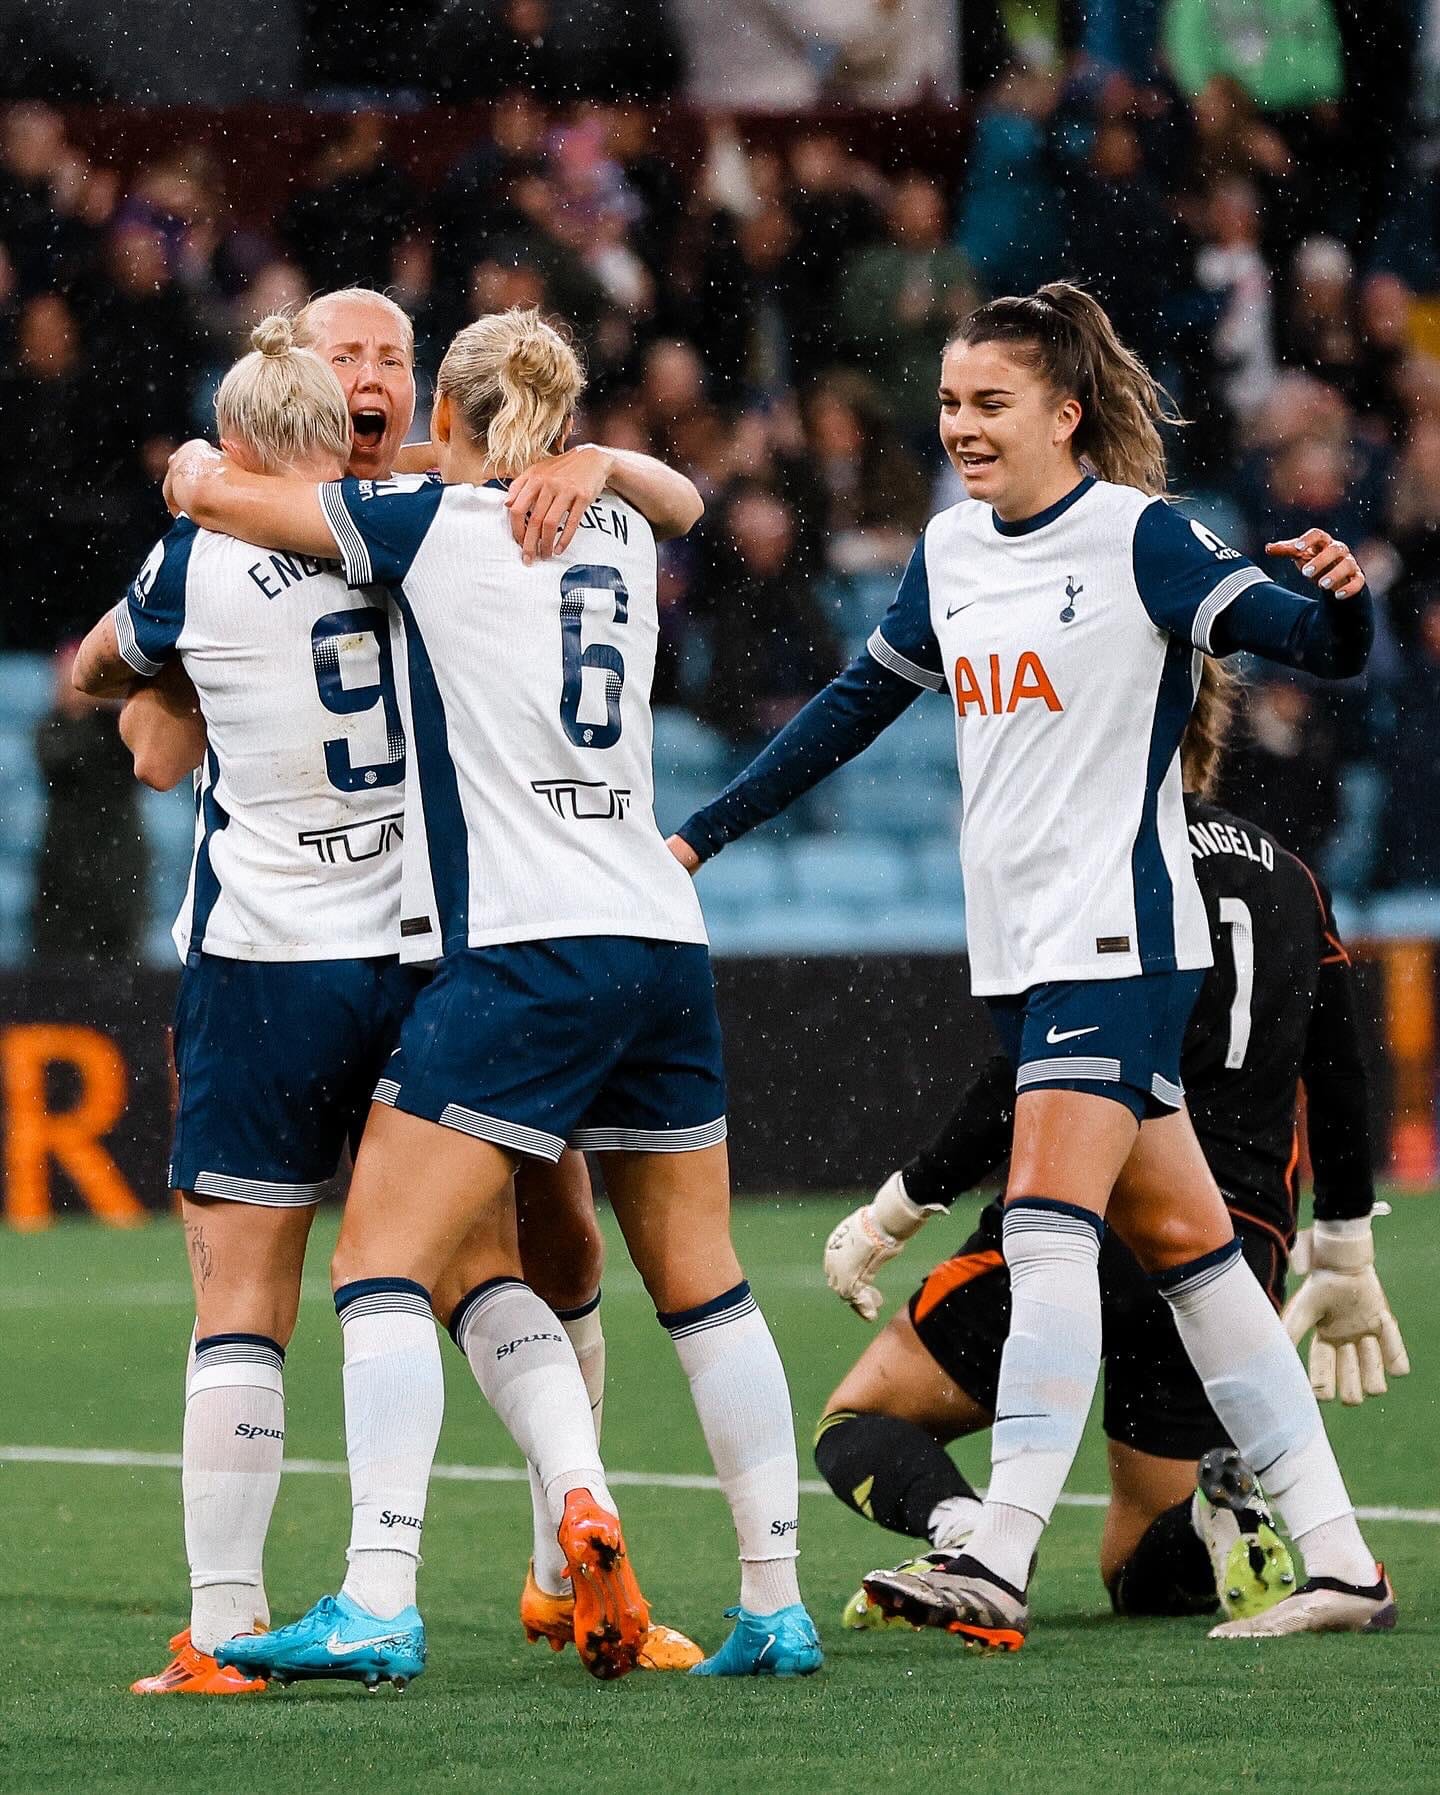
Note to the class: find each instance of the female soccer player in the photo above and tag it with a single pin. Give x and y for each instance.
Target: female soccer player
(1277, 1006)
(1066, 607)
(290, 933)
(574, 1002)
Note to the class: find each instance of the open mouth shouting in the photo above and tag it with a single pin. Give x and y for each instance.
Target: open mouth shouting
(368, 423)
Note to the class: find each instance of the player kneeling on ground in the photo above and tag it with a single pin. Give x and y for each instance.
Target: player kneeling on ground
(1276, 1008)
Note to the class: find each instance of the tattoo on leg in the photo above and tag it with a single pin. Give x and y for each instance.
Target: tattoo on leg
(202, 1255)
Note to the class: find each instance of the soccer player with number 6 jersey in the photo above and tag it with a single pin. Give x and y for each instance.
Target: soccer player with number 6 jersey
(1066, 609)
(573, 1003)
(293, 993)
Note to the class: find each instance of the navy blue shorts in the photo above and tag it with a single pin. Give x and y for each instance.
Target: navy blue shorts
(276, 1063)
(595, 1041)
(1118, 1038)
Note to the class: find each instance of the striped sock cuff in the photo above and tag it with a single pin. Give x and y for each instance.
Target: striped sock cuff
(381, 1296)
(730, 1305)
(215, 1350)
(1029, 1214)
(475, 1300)
(580, 1313)
(1186, 1280)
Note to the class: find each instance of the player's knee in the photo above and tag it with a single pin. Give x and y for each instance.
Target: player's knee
(1169, 1237)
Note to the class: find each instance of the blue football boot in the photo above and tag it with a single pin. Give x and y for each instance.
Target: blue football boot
(783, 1644)
(337, 1638)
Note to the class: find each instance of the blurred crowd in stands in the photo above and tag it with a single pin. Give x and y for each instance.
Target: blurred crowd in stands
(1250, 189)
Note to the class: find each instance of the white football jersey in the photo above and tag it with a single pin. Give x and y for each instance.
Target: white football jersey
(300, 799)
(526, 698)
(1069, 644)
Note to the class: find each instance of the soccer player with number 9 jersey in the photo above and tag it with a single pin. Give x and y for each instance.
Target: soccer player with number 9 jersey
(573, 1002)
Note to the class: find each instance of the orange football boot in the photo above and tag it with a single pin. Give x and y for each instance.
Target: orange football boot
(552, 1618)
(612, 1618)
(192, 1672)
(547, 1617)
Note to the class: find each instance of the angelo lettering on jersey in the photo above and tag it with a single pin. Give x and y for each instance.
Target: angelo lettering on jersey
(1028, 680)
(277, 572)
(1224, 838)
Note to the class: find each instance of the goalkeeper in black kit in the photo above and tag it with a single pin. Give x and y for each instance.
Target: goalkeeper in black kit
(1277, 1009)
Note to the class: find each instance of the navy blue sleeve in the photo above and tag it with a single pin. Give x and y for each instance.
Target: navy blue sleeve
(1336, 1082)
(379, 525)
(836, 725)
(1194, 586)
(150, 617)
(905, 640)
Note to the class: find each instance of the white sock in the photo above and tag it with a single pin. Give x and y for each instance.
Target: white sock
(529, 1374)
(1048, 1372)
(584, 1332)
(394, 1403)
(740, 1394)
(1258, 1388)
(230, 1472)
(952, 1522)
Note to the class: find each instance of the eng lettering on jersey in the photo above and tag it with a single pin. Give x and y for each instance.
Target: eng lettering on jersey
(1224, 838)
(377, 489)
(1221, 550)
(1027, 680)
(277, 573)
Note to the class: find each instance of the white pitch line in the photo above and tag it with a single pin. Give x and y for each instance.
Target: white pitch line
(106, 1458)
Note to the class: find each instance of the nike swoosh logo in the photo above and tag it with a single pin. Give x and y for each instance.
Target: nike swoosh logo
(959, 608)
(1054, 1037)
(337, 1648)
(770, 1640)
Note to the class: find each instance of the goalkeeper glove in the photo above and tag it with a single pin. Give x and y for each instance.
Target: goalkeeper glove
(870, 1237)
(1357, 1339)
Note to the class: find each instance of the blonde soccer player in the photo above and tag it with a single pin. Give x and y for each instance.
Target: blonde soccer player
(1065, 608)
(573, 1001)
(292, 993)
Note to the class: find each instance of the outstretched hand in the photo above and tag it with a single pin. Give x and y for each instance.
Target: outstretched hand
(548, 501)
(1321, 558)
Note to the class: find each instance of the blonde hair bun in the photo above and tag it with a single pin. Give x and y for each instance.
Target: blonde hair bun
(516, 380)
(274, 335)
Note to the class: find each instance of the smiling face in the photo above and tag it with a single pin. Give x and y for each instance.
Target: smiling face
(1008, 435)
(361, 338)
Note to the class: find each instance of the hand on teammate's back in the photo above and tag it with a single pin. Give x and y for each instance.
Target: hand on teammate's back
(1357, 1339)
(1324, 559)
(548, 500)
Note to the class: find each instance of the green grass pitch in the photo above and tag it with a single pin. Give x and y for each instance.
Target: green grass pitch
(92, 1582)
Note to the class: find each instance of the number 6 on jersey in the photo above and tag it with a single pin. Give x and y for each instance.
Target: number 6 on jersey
(600, 656)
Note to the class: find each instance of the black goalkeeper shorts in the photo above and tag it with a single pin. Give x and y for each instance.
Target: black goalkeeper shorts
(1153, 1399)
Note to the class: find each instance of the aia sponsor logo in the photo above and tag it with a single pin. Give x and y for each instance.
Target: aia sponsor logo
(995, 691)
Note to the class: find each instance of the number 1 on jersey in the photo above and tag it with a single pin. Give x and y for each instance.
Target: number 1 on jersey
(575, 657)
(1236, 913)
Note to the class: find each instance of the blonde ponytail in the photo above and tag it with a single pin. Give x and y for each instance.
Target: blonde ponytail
(282, 402)
(516, 381)
(1065, 334)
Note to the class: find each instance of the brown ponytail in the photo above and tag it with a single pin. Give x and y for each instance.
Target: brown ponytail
(1066, 335)
(1203, 744)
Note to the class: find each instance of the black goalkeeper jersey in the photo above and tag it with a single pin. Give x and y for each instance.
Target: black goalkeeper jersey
(1275, 1008)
